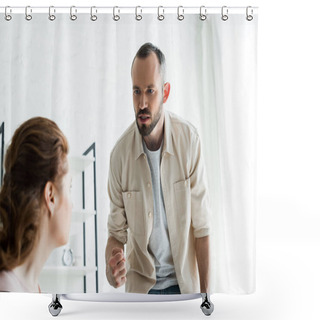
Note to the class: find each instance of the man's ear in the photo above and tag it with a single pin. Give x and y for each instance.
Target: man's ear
(49, 197)
(166, 91)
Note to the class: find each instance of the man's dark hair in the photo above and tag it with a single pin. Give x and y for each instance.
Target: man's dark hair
(144, 52)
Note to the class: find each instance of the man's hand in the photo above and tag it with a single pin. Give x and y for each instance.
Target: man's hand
(116, 268)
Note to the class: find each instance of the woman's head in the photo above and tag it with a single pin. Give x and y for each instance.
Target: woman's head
(34, 187)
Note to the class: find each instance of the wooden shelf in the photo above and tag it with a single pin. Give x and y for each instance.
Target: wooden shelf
(67, 271)
(82, 215)
(79, 164)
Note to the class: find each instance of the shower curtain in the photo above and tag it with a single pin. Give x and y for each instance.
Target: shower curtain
(77, 72)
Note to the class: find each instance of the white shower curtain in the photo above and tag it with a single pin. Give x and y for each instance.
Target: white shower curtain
(77, 73)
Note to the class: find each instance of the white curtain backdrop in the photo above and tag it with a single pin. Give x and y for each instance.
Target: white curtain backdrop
(78, 74)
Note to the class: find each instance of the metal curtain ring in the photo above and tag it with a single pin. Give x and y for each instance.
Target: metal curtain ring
(160, 16)
(28, 15)
(116, 17)
(180, 15)
(73, 17)
(7, 16)
(249, 16)
(93, 17)
(52, 16)
(138, 16)
(203, 16)
(224, 13)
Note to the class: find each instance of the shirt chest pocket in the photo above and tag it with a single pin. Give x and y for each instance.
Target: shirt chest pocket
(133, 207)
(182, 195)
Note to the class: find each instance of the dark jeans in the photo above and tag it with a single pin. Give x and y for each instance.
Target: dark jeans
(170, 290)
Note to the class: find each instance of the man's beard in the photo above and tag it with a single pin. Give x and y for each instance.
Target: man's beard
(144, 129)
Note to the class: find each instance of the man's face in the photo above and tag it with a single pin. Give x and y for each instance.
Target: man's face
(147, 89)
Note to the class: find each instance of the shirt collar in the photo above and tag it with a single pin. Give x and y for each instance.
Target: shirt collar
(167, 143)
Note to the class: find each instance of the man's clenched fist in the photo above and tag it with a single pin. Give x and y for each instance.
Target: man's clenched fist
(116, 269)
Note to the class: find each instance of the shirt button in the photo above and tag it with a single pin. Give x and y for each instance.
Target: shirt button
(129, 195)
(149, 184)
(149, 214)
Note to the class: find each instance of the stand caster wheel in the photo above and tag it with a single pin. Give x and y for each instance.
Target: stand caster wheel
(207, 306)
(55, 306)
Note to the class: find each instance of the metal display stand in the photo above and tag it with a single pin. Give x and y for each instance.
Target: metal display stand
(55, 306)
(92, 149)
(207, 306)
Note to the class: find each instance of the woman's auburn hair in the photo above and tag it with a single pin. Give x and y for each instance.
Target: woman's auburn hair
(37, 154)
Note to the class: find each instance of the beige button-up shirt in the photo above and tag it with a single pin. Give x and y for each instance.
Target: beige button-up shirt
(185, 198)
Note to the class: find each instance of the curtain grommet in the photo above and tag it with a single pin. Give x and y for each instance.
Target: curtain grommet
(180, 15)
(73, 16)
(203, 15)
(93, 17)
(52, 17)
(160, 16)
(7, 16)
(138, 16)
(28, 16)
(116, 17)
(224, 13)
(249, 17)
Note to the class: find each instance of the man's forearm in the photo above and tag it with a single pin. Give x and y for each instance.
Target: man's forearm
(112, 243)
(203, 259)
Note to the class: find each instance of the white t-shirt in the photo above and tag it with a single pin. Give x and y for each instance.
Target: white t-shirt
(159, 243)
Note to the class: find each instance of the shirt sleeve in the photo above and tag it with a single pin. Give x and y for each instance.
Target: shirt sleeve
(117, 220)
(200, 210)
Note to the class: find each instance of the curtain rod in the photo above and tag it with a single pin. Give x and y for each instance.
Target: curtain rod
(126, 9)
(138, 11)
